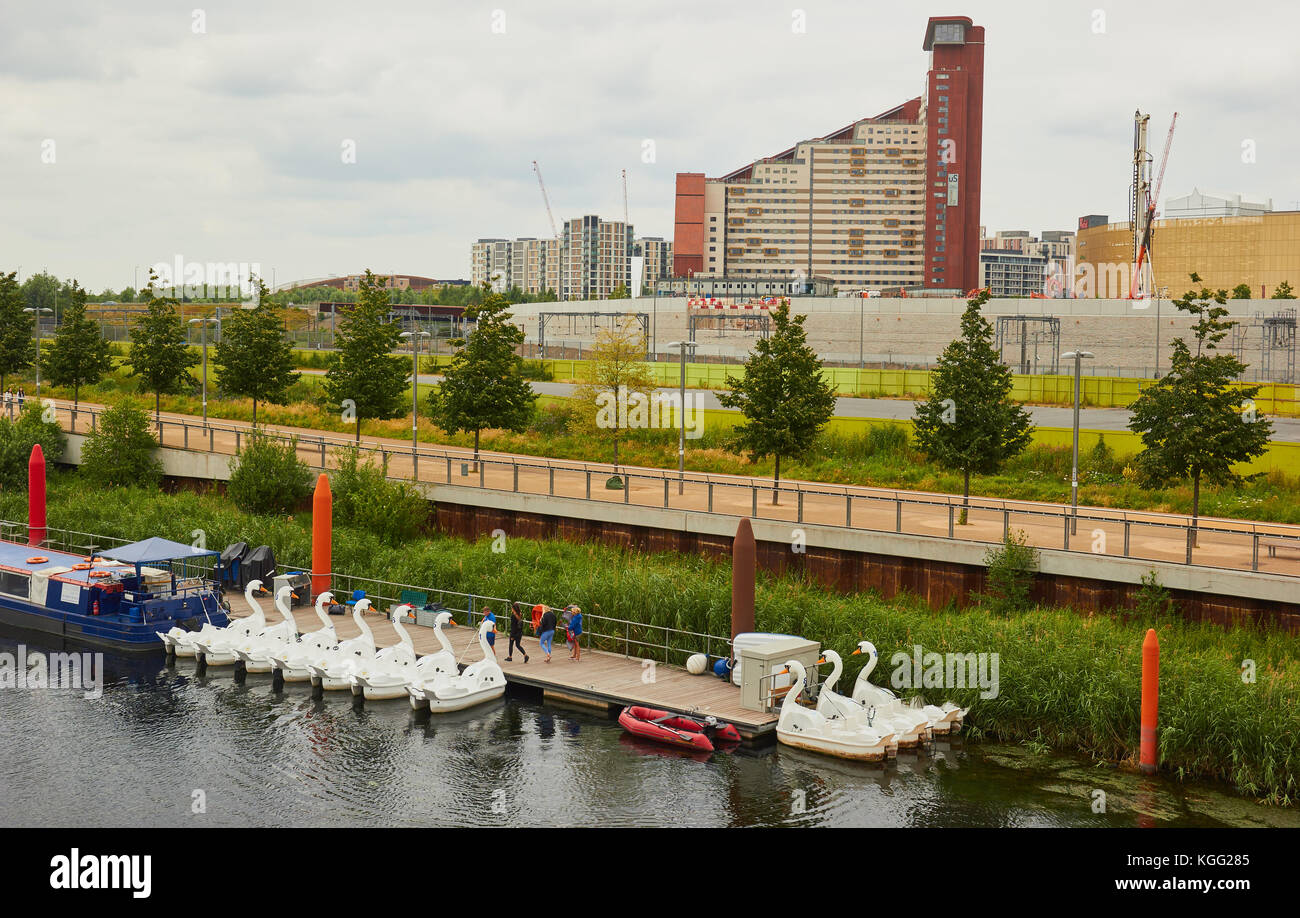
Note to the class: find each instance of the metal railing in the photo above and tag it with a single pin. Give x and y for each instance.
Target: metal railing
(661, 643)
(1144, 535)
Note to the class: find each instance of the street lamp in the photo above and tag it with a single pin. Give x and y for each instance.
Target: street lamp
(1077, 357)
(36, 311)
(681, 413)
(203, 324)
(415, 337)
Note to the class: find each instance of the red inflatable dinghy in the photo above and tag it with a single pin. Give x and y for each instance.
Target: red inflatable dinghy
(676, 729)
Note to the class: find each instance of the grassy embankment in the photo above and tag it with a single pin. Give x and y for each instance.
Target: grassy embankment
(1067, 681)
(850, 451)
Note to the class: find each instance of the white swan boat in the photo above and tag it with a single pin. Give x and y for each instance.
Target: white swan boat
(218, 649)
(909, 726)
(480, 682)
(255, 652)
(805, 728)
(443, 661)
(392, 669)
(333, 669)
(181, 643)
(943, 719)
(290, 663)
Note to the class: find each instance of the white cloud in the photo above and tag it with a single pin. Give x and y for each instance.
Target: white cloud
(226, 145)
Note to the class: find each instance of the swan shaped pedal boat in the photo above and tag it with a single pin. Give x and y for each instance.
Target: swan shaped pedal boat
(290, 662)
(677, 729)
(181, 643)
(255, 652)
(909, 726)
(334, 668)
(805, 728)
(443, 661)
(218, 649)
(480, 682)
(392, 669)
(944, 719)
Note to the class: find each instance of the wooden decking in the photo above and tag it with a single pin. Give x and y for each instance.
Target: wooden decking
(603, 680)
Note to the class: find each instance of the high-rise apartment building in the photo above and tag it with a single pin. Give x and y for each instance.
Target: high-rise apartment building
(656, 257)
(596, 258)
(888, 201)
(590, 261)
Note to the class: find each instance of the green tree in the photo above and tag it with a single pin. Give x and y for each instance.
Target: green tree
(41, 291)
(17, 349)
(619, 378)
(483, 387)
(267, 476)
(970, 422)
(119, 452)
(256, 359)
(1197, 422)
(1241, 292)
(159, 354)
(782, 394)
(1283, 292)
(79, 355)
(363, 379)
(620, 293)
(17, 438)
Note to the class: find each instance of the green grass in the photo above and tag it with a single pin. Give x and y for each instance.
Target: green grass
(1067, 680)
(879, 455)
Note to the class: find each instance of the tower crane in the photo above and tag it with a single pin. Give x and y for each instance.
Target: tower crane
(1144, 241)
(559, 267)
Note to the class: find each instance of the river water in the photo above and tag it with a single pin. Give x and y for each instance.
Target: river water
(166, 745)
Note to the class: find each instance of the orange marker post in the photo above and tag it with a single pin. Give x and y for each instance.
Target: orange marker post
(1150, 701)
(322, 521)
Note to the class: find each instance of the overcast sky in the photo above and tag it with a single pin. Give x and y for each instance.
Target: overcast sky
(222, 138)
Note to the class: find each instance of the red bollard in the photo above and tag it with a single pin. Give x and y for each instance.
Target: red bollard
(322, 511)
(743, 562)
(1150, 701)
(36, 496)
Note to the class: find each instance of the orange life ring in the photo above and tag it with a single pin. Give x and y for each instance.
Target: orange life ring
(37, 559)
(81, 567)
(98, 574)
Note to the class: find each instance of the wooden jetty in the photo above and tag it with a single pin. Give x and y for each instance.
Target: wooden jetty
(601, 680)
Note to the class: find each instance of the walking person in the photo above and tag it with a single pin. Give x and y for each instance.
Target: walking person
(546, 632)
(575, 634)
(22, 397)
(516, 633)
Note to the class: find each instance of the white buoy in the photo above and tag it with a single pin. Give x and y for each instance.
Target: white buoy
(696, 664)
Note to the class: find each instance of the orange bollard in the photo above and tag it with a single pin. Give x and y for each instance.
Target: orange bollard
(322, 521)
(1150, 701)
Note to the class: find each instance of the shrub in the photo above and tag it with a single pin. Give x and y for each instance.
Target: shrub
(1010, 576)
(1153, 604)
(120, 451)
(553, 420)
(268, 477)
(392, 510)
(536, 369)
(17, 439)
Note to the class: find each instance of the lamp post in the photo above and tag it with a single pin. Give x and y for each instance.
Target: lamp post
(36, 312)
(681, 414)
(415, 337)
(1077, 356)
(203, 323)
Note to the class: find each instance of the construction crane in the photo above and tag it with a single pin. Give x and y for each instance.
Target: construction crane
(625, 222)
(545, 200)
(559, 246)
(1142, 234)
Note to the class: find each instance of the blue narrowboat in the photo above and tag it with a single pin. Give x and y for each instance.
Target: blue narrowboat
(119, 599)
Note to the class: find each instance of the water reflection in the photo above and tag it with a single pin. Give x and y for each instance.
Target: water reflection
(266, 755)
